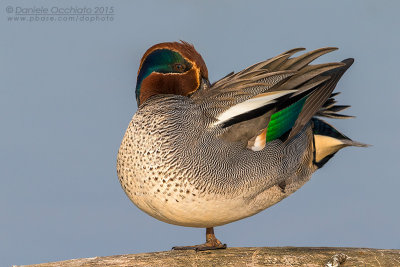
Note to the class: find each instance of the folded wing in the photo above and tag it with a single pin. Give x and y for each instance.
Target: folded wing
(272, 99)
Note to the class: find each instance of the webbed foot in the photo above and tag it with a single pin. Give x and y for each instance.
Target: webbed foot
(212, 243)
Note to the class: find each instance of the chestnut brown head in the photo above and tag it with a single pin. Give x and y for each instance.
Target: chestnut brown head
(170, 68)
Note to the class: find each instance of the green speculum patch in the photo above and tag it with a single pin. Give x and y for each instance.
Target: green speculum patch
(283, 120)
(162, 61)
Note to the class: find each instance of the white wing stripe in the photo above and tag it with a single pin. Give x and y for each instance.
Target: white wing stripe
(251, 104)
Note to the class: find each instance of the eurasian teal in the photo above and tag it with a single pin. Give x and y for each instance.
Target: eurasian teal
(202, 155)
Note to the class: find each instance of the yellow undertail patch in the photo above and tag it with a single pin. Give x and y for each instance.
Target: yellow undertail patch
(325, 146)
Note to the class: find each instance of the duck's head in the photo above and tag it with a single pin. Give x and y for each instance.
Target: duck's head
(170, 68)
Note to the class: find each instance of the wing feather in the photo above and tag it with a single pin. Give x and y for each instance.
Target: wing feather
(240, 105)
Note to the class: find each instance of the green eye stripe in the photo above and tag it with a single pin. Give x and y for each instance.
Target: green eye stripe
(160, 60)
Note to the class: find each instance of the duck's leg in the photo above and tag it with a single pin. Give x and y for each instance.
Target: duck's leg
(211, 243)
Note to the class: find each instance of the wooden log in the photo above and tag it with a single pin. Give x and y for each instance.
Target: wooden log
(249, 256)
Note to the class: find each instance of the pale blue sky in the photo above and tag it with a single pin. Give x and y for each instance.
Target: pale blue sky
(67, 96)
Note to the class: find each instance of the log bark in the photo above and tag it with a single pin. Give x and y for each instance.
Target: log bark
(257, 256)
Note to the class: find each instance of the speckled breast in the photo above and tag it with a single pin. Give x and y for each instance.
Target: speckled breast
(150, 171)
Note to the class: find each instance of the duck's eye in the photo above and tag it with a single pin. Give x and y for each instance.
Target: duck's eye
(178, 67)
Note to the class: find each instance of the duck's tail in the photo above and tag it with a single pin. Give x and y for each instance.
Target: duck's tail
(328, 140)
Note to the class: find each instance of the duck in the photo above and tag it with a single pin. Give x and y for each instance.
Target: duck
(197, 154)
